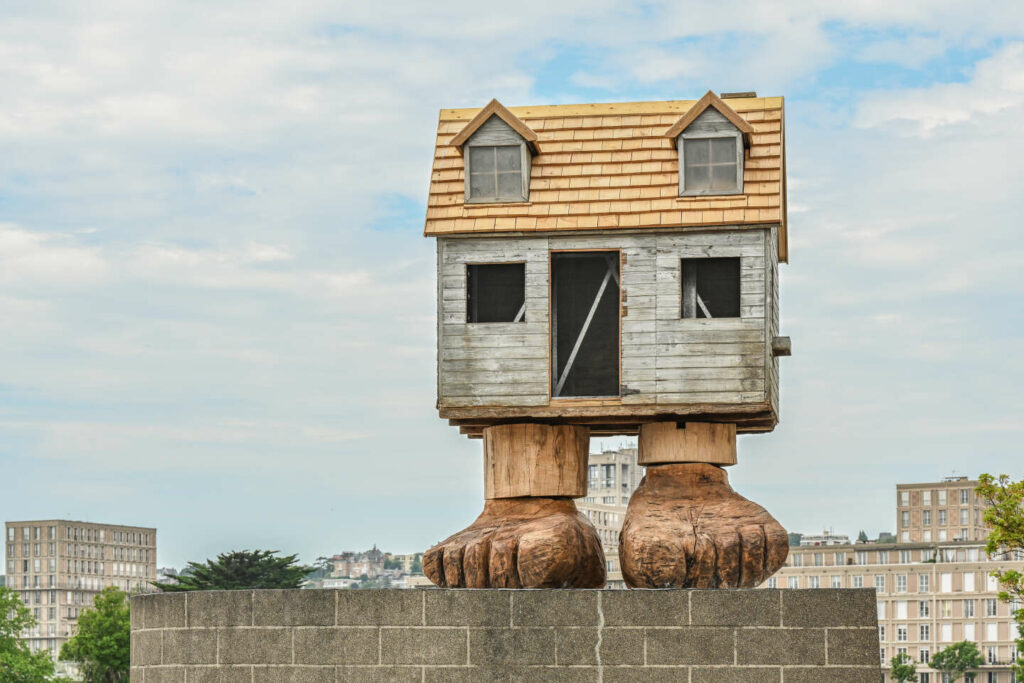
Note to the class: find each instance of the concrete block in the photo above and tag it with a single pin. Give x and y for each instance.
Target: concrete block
(491, 647)
(145, 648)
(554, 608)
(255, 645)
(423, 646)
(735, 608)
(646, 607)
(293, 674)
(857, 646)
(555, 674)
(166, 674)
(197, 646)
(294, 608)
(643, 674)
(218, 674)
(829, 607)
(622, 646)
(780, 646)
(694, 645)
(379, 674)
(845, 674)
(738, 674)
(220, 608)
(337, 645)
(461, 607)
(136, 674)
(163, 610)
(464, 674)
(575, 646)
(380, 608)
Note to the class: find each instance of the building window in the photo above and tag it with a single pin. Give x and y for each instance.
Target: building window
(926, 518)
(926, 498)
(927, 536)
(924, 632)
(858, 581)
(946, 609)
(923, 583)
(837, 581)
(496, 293)
(924, 655)
(814, 582)
(964, 496)
(798, 559)
(901, 583)
(942, 518)
(881, 609)
(901, 634)
(905, 518)
(881, 633)
(965, 517)
(942, 535)
(840, 559)
(711, 165)
(773, 583)
(496, 173)
(946, 633)
(883, 557)
(924, 608)
(968, 608)
(861, 557)
(946, 583)
(991, 605)
(942, 497)
(880, 583)
(819, 559)
(710, 288)
(904, 557)
(901, 609)
(793, 582)
(992, 655)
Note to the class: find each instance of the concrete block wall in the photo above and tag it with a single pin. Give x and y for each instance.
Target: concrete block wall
(435, 635)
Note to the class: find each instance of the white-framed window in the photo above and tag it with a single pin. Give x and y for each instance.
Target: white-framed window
(883, 557)
(942, 536)
(881, 633)
(880, 583)
(946, 582)
(942, 517)
(923, 655)
(904, 557)
(924, 608)
(926, 518)
(991, 631)
(927, 536)
(924, 632)
(798, 559)
(901, 609)
(946, 608)
(992, 583)
(926, 498)
(923, 583)
(991, 654)
(991, 607)
(942, 497)
(901, 583)
(858, 581)
(837, 581)
(968, 582)
(793, 582)
(905, 518)
(969, 632)
(904, 498)
(772, 583)
(861, 557)
(880, 605)
(946, 633)
(819, 559)
(840, 558)
(965, 496)
(968, 608)
(813, 582)
(901, 634)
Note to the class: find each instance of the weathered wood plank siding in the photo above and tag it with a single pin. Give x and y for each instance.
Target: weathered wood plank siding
(665, 359)
(772, 318)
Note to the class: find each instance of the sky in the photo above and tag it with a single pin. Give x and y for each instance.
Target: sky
(217, 305)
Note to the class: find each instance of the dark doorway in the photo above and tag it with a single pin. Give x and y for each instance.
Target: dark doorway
(585, 323)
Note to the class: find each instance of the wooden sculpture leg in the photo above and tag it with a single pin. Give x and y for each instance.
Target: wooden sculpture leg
(530, 534)
(685, 527)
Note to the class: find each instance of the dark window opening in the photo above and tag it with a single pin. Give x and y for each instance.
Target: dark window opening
(585, 324)
(496, 293)
(711, 287)
(496, 173)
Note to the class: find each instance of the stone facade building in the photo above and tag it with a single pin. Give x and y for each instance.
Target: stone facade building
(355, 564)
(612, 476)
(59, 566)
(938, 512)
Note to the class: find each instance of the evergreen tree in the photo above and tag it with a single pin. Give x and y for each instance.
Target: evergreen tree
(101, 645)
(240, 570)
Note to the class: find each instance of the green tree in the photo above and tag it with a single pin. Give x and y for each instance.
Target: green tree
(956, 659)
(862, 537)
(18, 664)
(903, 668)
(240, 570)
(417, 564)
(1005, 517)
(101, 645)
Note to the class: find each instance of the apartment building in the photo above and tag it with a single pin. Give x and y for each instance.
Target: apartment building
(59, 566)
(937, 512)
(612, 476)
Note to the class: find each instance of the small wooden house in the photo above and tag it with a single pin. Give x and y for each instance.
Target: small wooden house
(610, 264)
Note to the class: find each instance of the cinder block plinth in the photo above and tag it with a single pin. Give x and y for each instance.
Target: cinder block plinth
(335, 636)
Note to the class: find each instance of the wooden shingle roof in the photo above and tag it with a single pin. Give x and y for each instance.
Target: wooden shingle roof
(610, 166)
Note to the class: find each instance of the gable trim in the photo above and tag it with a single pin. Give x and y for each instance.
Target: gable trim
(711, 100)
(495, 108)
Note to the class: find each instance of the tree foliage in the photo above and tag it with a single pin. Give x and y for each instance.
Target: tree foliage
(239, 570)
(18, 664)
(101, 645)
(862, 537)
(902, 668)
(956, 659)
(1005, 518)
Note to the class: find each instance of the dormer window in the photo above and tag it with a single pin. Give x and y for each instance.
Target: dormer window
(496, 173)
(497, 149)
(711, 138)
